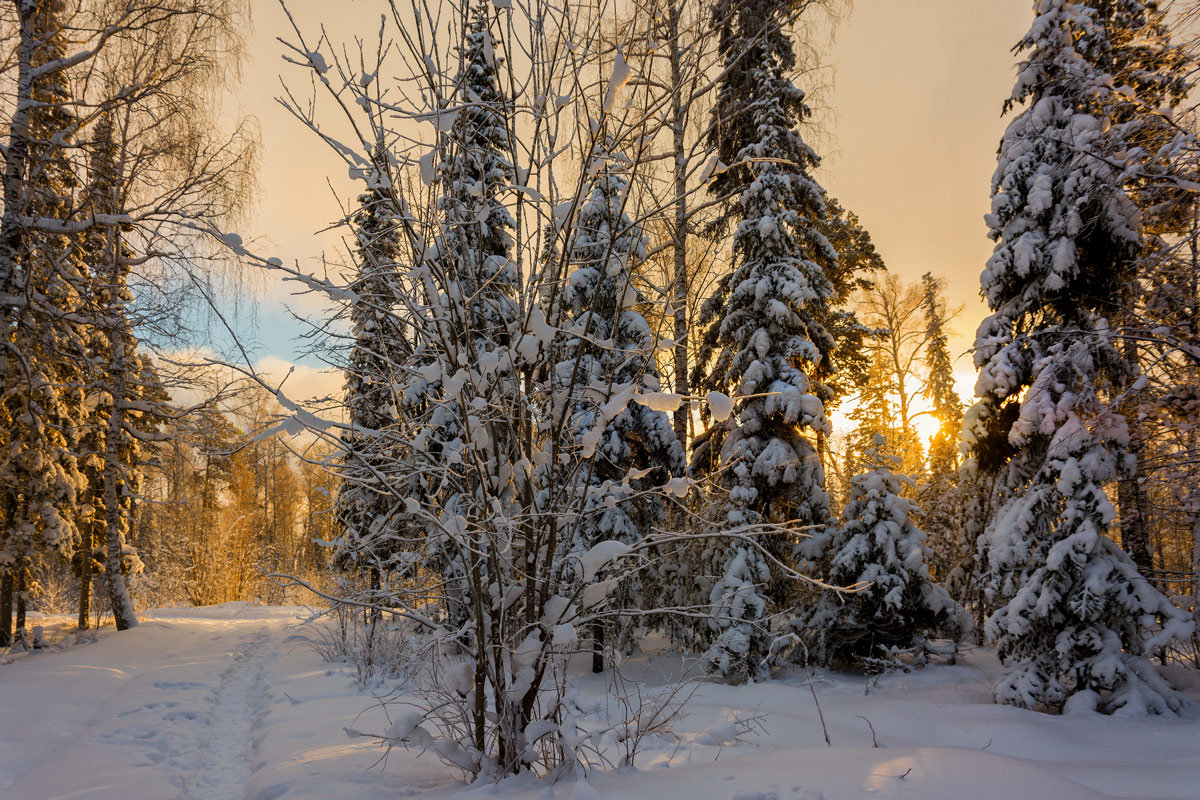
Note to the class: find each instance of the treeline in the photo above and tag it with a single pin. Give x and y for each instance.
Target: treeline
(219, 509)
(223, 507)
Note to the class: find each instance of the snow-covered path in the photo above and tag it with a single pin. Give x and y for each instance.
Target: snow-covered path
(193, 704)
(228, 703)
(228, 750)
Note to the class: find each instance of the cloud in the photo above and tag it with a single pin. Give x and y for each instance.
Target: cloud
(300, 383)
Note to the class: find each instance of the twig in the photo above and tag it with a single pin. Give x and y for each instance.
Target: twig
(874, 741)
(825, 730)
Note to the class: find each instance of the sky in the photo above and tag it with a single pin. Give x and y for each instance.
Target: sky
(908, 116)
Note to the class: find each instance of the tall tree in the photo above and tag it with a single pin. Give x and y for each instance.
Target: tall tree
(763, 341)
(475, 262)
(875, 414)
(938, 490)
(613, 357)
(41, 404)
(366, 507)
(854, 272)
(1154, 76)
(892, 308)
(1073, 627)
(125, 387)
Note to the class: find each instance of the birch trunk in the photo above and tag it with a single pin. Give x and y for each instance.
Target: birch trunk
(679, 299)
(118, 592)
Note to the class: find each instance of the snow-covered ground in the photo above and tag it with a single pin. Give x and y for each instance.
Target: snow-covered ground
(223, 703)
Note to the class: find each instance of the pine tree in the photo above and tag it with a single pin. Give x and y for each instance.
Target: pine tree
(763, 341)
(880, 549)
(1074, 626)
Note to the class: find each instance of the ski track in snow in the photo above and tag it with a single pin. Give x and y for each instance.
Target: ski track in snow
(238, 703)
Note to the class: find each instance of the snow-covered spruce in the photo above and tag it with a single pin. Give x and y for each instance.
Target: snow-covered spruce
(366, 506)
(880, 550)
(472, 262)
(1078, 621)
(127, 399)
(1082, 621)
(939, 492)
(609, 354)
(43, 277)
(762, 342)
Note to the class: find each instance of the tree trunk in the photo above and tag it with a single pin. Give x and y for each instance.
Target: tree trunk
(12, 232)
(598, 646)
(15, 156)
(1196, 577)
(1131, 496)
(85, 578)
(1135, 529)
(118, 593)
(374, 616)
(679, 298)
(6, 608)
(22, 590)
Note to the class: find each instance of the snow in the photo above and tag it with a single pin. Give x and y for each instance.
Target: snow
(318, 62)
(599, 556)
(677, 486)
(621, 74)
(720, 405)
(229, 702)
(711, 168)
(662, 402)
(428, 167)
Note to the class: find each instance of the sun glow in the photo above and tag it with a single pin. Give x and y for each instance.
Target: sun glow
(921, 414)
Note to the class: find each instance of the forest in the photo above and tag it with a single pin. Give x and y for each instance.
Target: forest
(618, 372)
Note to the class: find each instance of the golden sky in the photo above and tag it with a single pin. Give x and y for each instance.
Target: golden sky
(910, 122)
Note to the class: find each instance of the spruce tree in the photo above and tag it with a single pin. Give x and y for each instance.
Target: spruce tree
(879, 549)
(938, 491)
(477, 226)
(615, 354)
(1074, 627)
(1154, 76)
(762, 339)
(41, 399)
(126, 395)
(874, 414)
(367, 506)
(474, 263)
(847, 368)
